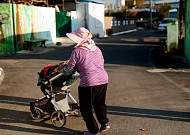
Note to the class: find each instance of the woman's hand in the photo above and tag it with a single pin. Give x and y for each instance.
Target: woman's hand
(63, 63)
(58, 69)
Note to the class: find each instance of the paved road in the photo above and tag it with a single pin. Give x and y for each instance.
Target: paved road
(136, 99)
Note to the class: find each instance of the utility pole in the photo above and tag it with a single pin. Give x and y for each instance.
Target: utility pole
(63, 4)
(181, 30)
(14, 28)
(181, 18)
(151, 14)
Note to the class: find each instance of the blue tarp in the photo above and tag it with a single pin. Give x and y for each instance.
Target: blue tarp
(95, 1)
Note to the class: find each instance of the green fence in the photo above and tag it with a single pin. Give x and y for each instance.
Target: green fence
(6, 32)
(30, 22)
(63, 24)
(187, 30)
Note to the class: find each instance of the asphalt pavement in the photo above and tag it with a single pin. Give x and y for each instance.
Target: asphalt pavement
(59, 42)
(146, 95)
(163, 59)
(160, 59)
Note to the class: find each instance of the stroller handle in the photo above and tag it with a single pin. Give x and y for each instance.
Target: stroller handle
(54, 78)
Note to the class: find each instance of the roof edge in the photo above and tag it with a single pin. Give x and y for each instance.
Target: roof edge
(94, 1)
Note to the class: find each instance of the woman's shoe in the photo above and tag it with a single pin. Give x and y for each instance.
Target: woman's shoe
(88, 133)
(104, 128)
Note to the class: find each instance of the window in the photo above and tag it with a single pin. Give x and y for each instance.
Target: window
(118, 23)
(124, 22)
(111, 23)
(115, 23)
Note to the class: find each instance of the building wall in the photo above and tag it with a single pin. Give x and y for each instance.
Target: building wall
(81, 11)
(96, 19)
(70, 6)
(73, 21)
(113, 25)
(30, 23)
(91, 16)
(187, 30)
(114, 5)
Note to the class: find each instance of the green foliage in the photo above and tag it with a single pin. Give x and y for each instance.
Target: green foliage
(139, 4)
(130, 4)
(123, 14)
(163, 11)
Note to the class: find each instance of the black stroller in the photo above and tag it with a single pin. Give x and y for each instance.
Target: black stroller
(55, 87)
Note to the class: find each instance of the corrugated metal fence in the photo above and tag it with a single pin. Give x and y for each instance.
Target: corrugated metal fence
(30, 23)
(63, 24)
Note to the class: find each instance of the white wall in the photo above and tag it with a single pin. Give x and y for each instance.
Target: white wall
(73, 21)
(91, 16)
(80, 16)
(96, 19)
(47, 23)
(109, 4)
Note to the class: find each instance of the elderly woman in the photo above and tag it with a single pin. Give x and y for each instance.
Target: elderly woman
(88, 61)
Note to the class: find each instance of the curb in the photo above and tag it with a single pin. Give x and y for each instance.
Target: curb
(123, 32)
(41, 50)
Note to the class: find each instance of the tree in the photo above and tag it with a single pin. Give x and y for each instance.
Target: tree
(134, 3)
(139, 3)
(163, 11)
(129, 4)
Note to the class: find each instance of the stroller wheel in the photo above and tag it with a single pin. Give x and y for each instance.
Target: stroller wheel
(77, 113)
(58, 118)
(36, 114)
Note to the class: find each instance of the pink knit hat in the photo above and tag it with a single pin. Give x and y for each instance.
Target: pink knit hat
(80, 35)
(82, 38)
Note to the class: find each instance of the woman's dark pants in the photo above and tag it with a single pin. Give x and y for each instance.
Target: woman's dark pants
(93, 97)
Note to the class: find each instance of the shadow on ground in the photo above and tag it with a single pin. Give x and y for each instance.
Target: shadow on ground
(14, 117)
(149, 113)
(127, 49)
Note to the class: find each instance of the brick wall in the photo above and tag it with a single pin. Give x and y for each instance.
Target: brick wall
(113, 25)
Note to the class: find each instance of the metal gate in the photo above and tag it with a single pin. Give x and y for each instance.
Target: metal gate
(63, 24)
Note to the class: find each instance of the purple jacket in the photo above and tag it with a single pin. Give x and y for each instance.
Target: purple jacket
(90, 66)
